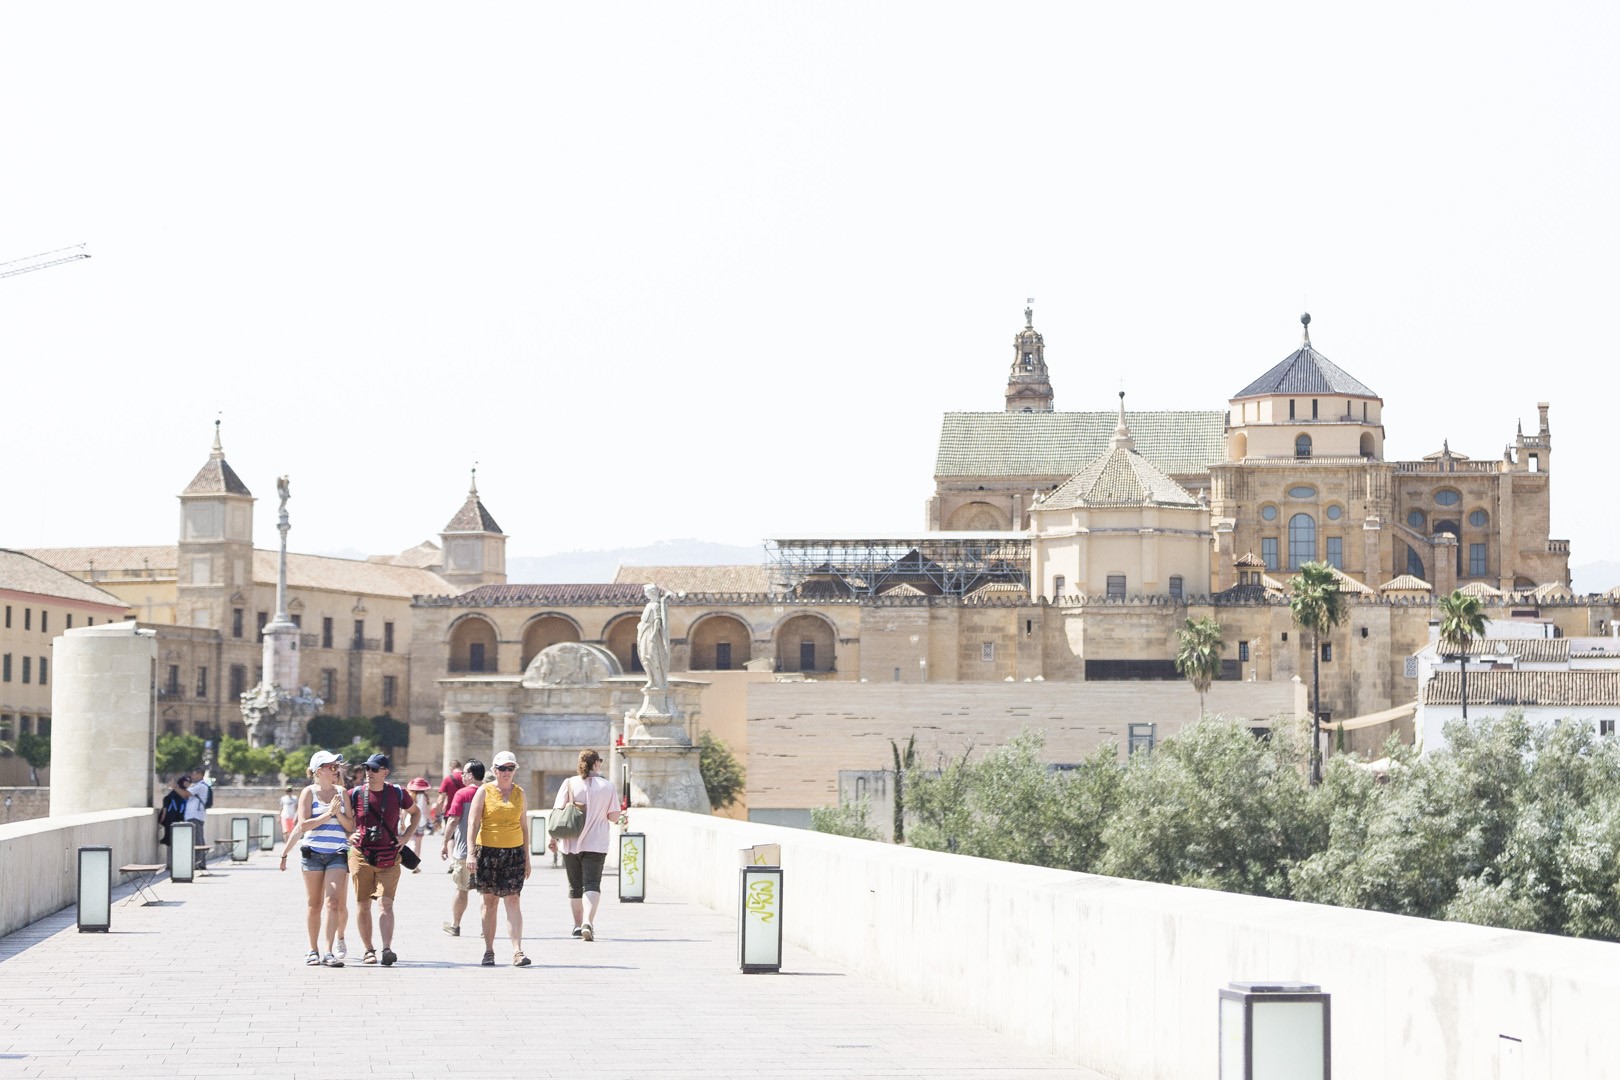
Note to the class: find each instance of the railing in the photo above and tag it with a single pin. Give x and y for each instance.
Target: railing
(1440, 468)
(1558, 547)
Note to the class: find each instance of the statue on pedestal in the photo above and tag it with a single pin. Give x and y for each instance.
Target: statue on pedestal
(277, 711)
(652, 646)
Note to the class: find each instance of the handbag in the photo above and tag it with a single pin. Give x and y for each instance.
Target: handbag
(565, 821)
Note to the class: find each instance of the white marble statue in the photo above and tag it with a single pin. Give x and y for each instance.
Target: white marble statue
(652, 638)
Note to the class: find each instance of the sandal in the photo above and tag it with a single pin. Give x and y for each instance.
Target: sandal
(313, 959)
(519, 960)
(370, 957)
(331, 961)
(488, 960)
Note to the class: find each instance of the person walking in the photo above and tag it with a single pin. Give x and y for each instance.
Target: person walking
(384, 821)
(324, 823)
(455, 843)
(499, 855)
(583, 855)
(289, 810)
(424, 823)
(201, 798)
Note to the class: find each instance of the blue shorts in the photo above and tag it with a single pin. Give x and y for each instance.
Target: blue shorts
(322, 861)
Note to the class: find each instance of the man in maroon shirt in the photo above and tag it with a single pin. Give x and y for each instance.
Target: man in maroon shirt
(447, 790)
(385, 820)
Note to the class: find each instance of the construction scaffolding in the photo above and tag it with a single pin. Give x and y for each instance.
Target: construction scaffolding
(933, 564)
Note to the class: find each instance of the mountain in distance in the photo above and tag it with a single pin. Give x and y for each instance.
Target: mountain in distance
(576, 567)
(1594, 577)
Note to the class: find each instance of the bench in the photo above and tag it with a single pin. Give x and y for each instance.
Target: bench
(144, 875)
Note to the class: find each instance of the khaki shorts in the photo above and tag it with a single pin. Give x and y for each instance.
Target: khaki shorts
(371, 882)
(459, 876)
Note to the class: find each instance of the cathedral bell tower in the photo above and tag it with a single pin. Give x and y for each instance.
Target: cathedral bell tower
(474, 546)
(216, 543)
(1029, 389)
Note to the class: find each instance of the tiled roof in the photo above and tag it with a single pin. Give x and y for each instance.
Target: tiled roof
(1506, 688)
(1062, 443)
(216, 478)
(1348, 584)
(1305, 371)
(1407, 583)
(1479, 589)
(1249, 559)
(1585, 647)
(744, 578)
(472, 517)
(423, 556)
(159, 558)
(620, 595)
(21, 572)
(1120, 477)
(1525, 650)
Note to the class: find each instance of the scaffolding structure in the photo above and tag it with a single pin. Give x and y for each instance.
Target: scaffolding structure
(934, 564)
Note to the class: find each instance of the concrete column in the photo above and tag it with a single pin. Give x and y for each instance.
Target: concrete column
(102, 719)
(455, 737)
(502, 724)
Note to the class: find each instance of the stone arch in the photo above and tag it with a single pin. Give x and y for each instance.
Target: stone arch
(1367, 449)
(1302, 445)
(619, 636)
(977, 517)
(1240, 446)
(806, 642)
(1301, 540)
(1455, 529)
(547, 629)
(719, 641)
(474, 646)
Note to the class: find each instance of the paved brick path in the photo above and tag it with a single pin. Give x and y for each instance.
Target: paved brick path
(212, 983)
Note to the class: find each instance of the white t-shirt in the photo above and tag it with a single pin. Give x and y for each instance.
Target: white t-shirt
(289, 806)
(598, 796)
(197, 805)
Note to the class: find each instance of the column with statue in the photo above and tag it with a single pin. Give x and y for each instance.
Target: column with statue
(278, 710)
(663, 762)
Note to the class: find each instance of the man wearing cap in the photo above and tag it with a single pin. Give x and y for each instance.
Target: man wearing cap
(381, 832)
(455, 842)
(200, 794)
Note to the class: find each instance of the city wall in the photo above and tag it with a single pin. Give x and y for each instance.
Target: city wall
(1121, 976)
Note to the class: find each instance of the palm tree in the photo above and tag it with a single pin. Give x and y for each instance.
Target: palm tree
(903, 760)
(1317, 607)
(1462, 619)
(1198, 654)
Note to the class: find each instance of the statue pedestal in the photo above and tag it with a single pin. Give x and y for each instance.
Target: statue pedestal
(665, 775)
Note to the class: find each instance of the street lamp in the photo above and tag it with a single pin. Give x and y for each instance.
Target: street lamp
(239, 839)
(759, 915)
(95, 889)
(182, 856)
(632, 867)
(1275, 1031)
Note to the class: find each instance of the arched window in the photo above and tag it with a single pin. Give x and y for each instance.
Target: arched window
(1302, 446)
(1414, 565)
(1301, 540)
(1176, 587)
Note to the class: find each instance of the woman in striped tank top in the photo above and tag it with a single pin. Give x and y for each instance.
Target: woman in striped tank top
(324, 823)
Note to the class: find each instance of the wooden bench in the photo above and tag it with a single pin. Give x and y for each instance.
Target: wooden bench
(144, 875)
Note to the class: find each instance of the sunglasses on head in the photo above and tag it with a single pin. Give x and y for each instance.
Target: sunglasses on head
(506, 768)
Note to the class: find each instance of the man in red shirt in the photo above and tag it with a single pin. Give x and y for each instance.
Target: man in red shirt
(447, 790)
(455, 836)
(385, 819)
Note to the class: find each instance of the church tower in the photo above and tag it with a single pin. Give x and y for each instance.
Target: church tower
(216, 543)
(1029, 389)
(474, 546)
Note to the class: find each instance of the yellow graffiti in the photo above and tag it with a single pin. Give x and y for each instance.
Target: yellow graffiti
(762, 900)
(630, 861)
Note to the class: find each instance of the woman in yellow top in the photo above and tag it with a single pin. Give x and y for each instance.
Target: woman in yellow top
(498, 857)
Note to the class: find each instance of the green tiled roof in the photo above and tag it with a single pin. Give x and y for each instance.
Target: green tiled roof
(1119, 478)
(1063, 443)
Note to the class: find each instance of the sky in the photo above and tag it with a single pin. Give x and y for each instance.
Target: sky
(716, 270)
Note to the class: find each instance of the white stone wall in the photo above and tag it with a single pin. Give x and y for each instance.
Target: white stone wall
(102, 710)
(1121, 976)
(39, 860)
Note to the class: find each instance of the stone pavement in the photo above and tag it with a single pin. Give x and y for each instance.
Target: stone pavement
(212, 983)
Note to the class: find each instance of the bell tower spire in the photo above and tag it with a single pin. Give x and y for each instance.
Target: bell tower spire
(1029, 388)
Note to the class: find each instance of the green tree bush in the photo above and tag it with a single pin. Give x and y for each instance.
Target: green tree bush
(36, 751)
(250, 764)
(724, 777)
(847, 819)
(177, 754)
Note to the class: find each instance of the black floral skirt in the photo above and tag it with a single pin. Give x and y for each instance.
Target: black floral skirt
(500, 871)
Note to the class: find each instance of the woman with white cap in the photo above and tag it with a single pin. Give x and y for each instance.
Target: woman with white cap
(499, 853)
(324, 823)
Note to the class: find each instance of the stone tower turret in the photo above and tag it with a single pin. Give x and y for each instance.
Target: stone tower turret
(216, 542)
(1029, 388)
(474, 546)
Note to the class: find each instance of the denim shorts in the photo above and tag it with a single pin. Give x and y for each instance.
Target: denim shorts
(322, 861)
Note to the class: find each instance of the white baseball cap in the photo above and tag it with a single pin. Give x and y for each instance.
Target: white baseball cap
(505, 757)
(322, 757)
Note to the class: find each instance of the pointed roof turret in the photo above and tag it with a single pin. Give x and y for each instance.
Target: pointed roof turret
(472, 517)
(1306, 371)
(1120, 477)
(1029, 387)
(216, 477)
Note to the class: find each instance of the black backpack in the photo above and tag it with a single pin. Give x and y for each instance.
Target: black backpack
(208, 800)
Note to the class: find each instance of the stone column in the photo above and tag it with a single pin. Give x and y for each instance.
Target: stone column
(455, 737)
(502, 724)
(102, 712)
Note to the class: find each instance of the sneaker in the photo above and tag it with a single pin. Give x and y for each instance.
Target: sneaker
(341, 950)
(452, 929)
(388, 957)
(313, 959)
(330, 960)
(488, 960)
(586, 933)
(579, 931)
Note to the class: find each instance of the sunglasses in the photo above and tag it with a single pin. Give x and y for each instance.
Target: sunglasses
(506, 768)
(374, 768)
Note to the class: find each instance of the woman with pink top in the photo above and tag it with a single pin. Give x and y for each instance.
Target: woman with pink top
(583, 855)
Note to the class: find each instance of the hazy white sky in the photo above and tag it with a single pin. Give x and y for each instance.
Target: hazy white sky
(715, 271)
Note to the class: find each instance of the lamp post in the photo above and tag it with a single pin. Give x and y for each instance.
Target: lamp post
(537, 833)
(182, 857)
(95, 889)
(632, 867)
(267, 832)
(1275, 1031)
(759, 916)
(239, 839)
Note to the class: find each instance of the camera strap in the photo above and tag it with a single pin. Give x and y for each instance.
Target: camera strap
(382, 819)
